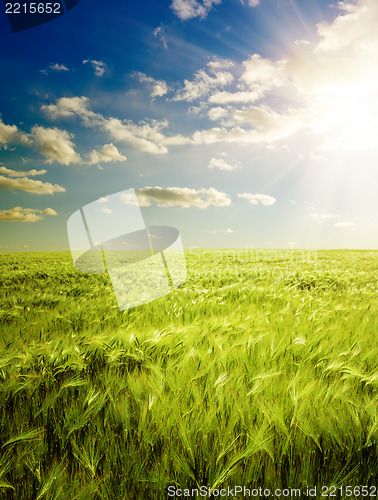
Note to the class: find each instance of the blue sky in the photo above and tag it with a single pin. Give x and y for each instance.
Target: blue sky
(244, 124)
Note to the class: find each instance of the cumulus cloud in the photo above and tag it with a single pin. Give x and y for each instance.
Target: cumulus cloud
(56, 67)
(55, 145)
(20, 173)
(188, 9)
(218, 64)
(15, 180)
(258, 199)
(68, 107)
(222, 164)
(225, 97)
(183, 197)
(225, 135)
(253, 125)
(29, 185)
(106, 154)
(98, 66)
(158, 87)
(259, 76)
(217, 113)
(25, 214)
(145, 136)
(10, 133)
(261, 71)
(205, 83)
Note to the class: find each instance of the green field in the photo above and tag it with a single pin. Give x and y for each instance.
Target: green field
(261, 370)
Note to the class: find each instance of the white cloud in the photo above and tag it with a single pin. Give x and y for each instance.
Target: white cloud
(217, 113)
(251, 3)
(258, 199)
(147, 137)
(49, 211)
(55, 67)
(183, 197)
(14, 181)
(223, 164)
(254, 125)
(29, 185)
(70, 107)
(159, 33)
(266, 124)
(203, 84)
(98, 66)
(25, 215)
(235, 97)
(259, 76)
(18, 173)
(188, 9)
(106, 154)
(158, 87)
(55, 145)
(344, 224)
(106, 210)
(59, 67)
(10, 133)
(217, 134)
(134, 135)
(217, 64)
(263, 74)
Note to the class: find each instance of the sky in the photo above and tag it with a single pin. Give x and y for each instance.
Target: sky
(243, 124)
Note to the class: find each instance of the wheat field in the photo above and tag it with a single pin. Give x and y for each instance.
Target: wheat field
(260, 370)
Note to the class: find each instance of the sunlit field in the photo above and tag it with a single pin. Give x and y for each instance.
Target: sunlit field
(261, 370)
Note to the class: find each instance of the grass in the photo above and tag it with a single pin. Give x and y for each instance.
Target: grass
(261, 370)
